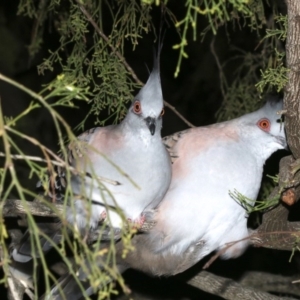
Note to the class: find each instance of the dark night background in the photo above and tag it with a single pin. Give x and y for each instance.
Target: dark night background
(195, 94)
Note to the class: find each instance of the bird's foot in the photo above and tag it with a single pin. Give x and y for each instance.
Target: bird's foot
(146, 221)
(103, 216)
(137, 223)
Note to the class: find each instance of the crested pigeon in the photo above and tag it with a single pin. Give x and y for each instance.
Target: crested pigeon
(131, 153)
(198, 214)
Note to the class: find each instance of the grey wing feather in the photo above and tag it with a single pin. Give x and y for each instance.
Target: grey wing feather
(170, 142)
(67, 287)
(25, 251)
(57, 183)
(57, 180)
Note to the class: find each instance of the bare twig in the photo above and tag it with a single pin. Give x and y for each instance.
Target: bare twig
(167, 104)
(222, 251)
(123, 60)
(221, 75)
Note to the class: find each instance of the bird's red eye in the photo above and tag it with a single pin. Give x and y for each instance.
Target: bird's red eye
(137, 107)
(264, 124)
(162, 112)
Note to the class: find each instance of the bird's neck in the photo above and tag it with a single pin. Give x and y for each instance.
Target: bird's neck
(139, 134)
(261, 150)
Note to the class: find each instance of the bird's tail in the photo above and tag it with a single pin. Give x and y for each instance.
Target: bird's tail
(32, 245)
(30, 248)
(76, 286)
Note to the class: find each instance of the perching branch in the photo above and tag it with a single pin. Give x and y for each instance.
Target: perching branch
(15, 207)
(228, 288)
(271, 282)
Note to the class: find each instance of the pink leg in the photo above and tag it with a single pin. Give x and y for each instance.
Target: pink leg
(137, 223)
(103, 215)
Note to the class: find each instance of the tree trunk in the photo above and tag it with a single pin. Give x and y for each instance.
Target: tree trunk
(292, 92)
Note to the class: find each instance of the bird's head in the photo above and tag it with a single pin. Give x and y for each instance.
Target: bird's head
(266, 127)
(146, 110)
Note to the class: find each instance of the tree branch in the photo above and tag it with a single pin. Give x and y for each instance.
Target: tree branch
(227, 288)
(271, 282)
(15, 207)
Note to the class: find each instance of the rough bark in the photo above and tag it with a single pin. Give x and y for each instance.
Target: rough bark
(271, 282)
(227, 288)
(260, 281)
(276, 232)
(292, 92)
(15, 207)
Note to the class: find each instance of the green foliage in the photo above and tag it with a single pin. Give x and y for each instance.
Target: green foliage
(218, 13)
(251, 205)
(274, 77)
(94, 63)
(259, 72)
(280, 32)
(295, 249)
(241, 96)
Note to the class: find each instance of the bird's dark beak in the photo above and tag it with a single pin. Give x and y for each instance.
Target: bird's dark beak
(151, 124)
